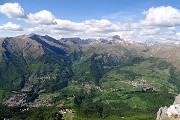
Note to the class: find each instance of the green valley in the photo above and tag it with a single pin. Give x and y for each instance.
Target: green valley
(45, 78)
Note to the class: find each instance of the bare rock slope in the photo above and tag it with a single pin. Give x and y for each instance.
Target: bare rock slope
(170, 113)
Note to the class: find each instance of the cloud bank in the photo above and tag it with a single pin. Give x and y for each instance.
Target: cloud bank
(11, 27)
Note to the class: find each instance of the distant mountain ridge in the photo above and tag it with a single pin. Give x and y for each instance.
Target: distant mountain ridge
(77, 40)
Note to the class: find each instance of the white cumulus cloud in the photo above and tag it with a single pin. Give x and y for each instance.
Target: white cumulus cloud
(13, 10)
(67, 25)
(10, 27)
(145, 32)
(162, 16)
(43, 17)
(101, 26)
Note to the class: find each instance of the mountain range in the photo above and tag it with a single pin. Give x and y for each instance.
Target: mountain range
(113, 74)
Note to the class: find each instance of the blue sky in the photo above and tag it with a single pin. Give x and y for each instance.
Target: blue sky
(92, 18)
(79, 10)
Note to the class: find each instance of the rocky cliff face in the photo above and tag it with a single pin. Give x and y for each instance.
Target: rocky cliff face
(170, 113)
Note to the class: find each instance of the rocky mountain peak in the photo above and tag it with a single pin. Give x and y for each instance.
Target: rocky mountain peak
(77, 40)
(32, 34)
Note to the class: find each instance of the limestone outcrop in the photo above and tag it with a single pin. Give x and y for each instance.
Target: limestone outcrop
(170, 113)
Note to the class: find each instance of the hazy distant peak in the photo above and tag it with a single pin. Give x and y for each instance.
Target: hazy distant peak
(116, 37)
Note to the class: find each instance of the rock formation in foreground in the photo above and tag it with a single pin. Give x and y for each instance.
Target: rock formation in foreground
(170, 113)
